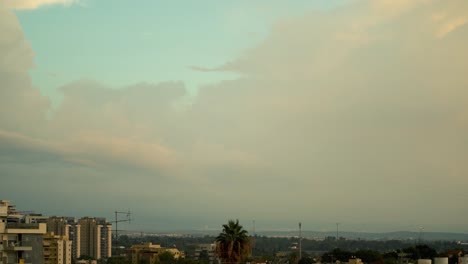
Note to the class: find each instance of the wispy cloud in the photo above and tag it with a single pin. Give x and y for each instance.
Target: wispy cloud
(203, 69)
(33, 4)
(450, 26)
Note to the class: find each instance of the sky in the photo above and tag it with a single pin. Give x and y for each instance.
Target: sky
(190, 113)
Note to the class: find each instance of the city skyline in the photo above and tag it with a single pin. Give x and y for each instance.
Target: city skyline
(191, 113)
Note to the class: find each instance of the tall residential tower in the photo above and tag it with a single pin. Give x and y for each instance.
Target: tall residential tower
(95, 237)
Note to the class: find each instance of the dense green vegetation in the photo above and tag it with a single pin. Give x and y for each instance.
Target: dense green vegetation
(269, 248)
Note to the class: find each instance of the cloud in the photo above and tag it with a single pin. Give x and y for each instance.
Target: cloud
(201, 69)
(33, 4)
(451, 26)
(342, 109)
(22, 107)
(25, 127)
(14, 147)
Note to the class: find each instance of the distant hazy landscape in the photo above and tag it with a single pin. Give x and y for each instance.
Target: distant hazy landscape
(398, 235)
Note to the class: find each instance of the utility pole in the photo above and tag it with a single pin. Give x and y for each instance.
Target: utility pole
(300, 241)
(253, 227)
(337, 224)
(253, 237)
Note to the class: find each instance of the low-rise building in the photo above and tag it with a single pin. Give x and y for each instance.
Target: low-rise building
(206, 252)
(355, 261)
(150, 253)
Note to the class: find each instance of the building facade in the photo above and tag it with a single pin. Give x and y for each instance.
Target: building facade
(149, 253)
(90, 236)
(57, 249)
(66, 226)
(20, 242)
(206, 252)
(95, 237)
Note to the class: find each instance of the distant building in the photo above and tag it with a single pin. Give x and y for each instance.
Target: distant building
(150, 253)
(35, 218)
(90, 236)
(57, 249)
(424, 261)
(66, 226)
(441, 260)
(106, 238)
(20, 242)
(355, 261)
(206, 251)
(82, 261)
(463, 260)
(95, 237)
(60, 226)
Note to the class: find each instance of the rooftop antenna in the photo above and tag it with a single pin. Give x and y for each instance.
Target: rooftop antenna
(117, 221)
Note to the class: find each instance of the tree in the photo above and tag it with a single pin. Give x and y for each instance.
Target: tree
(166, 257)
(306, 260)
(233, 243)
(369, 256)
(85, 257)
(421, 252)
(336, 254)
(118, 260)
(204, 257)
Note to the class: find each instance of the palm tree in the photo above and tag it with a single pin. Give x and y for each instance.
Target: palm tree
(233, 243)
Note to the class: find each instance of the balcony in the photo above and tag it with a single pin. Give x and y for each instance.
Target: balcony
(17, 246)
(21, 228)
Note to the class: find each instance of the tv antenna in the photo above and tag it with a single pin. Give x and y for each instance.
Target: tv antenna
(117, 221)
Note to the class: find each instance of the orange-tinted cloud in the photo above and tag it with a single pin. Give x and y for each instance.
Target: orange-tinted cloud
(33, 4)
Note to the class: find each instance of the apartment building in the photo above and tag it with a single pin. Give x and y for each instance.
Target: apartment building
(95, 237)
(90, 236)
(66, 226)
(20, 242)
(57, 249)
